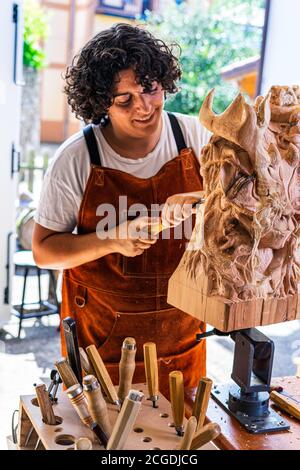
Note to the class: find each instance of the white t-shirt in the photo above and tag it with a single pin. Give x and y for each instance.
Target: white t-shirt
(67, 175)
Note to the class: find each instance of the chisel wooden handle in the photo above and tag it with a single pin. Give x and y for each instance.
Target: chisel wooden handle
(201, 400)
(189, 433)
(102, 374)
(126, 367)
(85, 363)
(151, 370)
(125, 420)
(96, 403)
(78, 400)
(177, 399)
(207, 433)
(45, 404)
(83, 443)
(286, 404)
(66, 373)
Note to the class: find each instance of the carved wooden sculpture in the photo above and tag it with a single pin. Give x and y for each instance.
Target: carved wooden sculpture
(240, 268)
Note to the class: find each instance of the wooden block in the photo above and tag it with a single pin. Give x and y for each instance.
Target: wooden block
(228, 316)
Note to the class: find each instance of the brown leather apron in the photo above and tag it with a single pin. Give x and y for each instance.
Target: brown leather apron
(118, 296)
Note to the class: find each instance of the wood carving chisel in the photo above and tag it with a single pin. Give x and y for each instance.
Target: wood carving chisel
(86, 366)
(207, 433)
(151, 371)
(126, 367)
(96, 403)
(286, 404)
(125, 420)
(177, 399)
(78, 400)
(155, 229)
(69, 326)
(189, 433)
(45, 404)
(102, 374)
(201, 400)
(66, 373)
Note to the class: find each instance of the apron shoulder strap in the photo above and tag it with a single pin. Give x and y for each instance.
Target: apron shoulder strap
(92, 146)
(177, 132)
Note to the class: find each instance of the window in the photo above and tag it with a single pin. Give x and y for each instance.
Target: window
(123, 8)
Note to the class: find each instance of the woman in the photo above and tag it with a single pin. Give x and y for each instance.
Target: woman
(114, 285)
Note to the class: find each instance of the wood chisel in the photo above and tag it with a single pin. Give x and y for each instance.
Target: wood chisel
(286, 404)
(201, 400)
(45, 404)
(96, 403)
(126, 367)
(69, 326)
(155, 229)
(125, 420)
(151, 371)
(66, 373)
(78, 400)
(83, 443)
(177, 399)
(189, 433)
(102, 374)
(207, 433)
(86, 366)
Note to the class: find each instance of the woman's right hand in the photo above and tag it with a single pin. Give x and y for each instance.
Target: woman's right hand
(132, 238)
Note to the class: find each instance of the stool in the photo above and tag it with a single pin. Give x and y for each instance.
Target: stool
(24, 260)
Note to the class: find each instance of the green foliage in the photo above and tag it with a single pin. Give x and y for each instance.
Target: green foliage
(209, 40)
(35, 31)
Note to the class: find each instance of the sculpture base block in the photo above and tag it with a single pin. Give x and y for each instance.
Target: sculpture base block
(226, 315)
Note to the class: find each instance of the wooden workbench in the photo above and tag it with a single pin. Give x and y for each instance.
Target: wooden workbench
(235, 437)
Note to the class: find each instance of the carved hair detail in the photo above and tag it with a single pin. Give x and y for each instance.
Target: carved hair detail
(251, 173)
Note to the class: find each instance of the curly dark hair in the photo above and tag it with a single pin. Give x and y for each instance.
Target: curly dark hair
(91, 78)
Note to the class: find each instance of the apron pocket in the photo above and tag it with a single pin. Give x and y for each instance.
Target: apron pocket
(95, 320)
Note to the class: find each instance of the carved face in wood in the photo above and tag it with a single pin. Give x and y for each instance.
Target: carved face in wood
(251, 171)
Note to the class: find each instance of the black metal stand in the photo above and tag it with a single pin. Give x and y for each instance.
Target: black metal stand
(248, 399)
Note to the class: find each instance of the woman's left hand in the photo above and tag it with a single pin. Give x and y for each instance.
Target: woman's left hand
(180, 207)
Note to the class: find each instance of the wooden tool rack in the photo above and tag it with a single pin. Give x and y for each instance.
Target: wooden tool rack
(153, 429)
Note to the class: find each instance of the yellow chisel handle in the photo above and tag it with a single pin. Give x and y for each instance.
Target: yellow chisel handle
(126, 367)
(177, 399)
(151, 371)
(286, 404)
(102, 374)
(96, 403)
(189, 433)
(207, 433)
(125, 420)
(201, 400)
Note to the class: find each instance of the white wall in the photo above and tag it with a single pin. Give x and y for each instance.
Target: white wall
(10, 104)
(282, 53)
